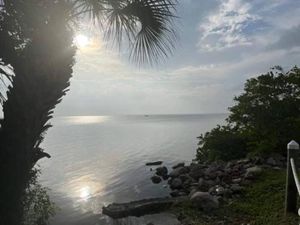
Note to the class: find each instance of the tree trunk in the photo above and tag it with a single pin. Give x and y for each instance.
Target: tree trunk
(41, 79)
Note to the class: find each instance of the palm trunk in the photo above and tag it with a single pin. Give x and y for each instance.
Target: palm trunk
(41, 78)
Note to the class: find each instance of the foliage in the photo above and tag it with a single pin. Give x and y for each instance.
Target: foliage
(221, 143)
(264, 119)
(37, 205)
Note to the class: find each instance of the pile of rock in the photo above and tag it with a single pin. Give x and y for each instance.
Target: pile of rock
(209, 184)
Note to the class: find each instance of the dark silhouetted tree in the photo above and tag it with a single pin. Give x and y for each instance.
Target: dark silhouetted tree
(37, 55)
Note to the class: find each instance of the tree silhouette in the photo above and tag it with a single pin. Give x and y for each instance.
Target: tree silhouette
(37, 56)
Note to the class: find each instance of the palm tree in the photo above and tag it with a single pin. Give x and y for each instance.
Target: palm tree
(36, 59)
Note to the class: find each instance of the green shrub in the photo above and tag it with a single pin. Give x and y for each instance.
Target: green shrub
(264, 119)
(221, 143)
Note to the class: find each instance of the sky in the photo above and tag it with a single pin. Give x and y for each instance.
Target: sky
(221, 44)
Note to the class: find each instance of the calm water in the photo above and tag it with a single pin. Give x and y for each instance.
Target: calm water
(97, 160)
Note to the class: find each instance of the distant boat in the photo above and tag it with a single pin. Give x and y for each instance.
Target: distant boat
(146, 115)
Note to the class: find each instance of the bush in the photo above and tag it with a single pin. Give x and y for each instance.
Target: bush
(265, 118)
(221, 143)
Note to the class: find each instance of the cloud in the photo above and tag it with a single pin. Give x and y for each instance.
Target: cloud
(226, 27)
(289, 39)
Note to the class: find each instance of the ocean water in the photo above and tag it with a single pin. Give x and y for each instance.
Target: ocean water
(97, 160)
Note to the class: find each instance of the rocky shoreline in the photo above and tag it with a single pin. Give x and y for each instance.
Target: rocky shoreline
(209, 184)
(206, 185)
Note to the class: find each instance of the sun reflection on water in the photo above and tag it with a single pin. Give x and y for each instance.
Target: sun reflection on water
(87, 119)
(85, 193)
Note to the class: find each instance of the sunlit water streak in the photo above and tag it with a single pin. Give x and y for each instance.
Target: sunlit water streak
(97, 160)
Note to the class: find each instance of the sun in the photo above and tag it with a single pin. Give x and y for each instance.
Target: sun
(81, 40)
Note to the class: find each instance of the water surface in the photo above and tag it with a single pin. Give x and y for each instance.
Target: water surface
(97, 160)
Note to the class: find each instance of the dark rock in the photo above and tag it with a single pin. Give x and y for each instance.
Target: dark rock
(271, 161)
(156, 163)
(184, 177)
(196, 171)
(203, 186)
(162, 171)
(178, 165)
(210, 183)
(179, 171)
(236, 188)
(177, 193)
(176, 183)
(142, 207)
(205, 201)
(156, 179)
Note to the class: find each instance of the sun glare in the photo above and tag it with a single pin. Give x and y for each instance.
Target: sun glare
(81, 40)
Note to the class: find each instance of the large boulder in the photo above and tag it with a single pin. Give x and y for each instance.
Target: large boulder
(204, 201)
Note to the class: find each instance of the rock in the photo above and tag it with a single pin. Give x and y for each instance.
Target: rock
(178, 171)
(202, 185)
(177, 193)
(243, 161)
(176, 184)
(184, 177)
(217, 190)
(210, 183)
(252, 172)
(204, 201)
(237, 180)
(162, 171)
(236, 188)
(156, 163)
(196, 171)
(220, 190)
(156, 179)
(141, 207)
(271, 161)
(178, 165)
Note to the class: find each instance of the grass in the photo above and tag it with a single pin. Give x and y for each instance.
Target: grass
(262, 203)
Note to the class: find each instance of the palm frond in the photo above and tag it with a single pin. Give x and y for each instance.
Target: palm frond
(148, 25)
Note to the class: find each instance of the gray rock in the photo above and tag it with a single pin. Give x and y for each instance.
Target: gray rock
(162, 171)
(210, 183)
(196, 171)
(236, 188)
(178, 165)
(156, 179)
(176, 184)
(204, 201)
(252, 172)
(237, 180)
(271, 161)
(203, 186)
(178, 171)
(184, 177)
